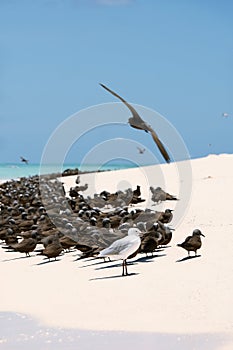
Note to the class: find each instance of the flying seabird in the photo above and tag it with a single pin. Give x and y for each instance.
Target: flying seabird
(192, 243)
(141, 150)
(24, 160)
(123, 248)
(138, 123)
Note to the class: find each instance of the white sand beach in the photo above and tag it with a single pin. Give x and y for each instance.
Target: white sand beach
(162, 294)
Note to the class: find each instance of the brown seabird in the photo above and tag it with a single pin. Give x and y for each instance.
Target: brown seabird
(166, 217)
(26, 246)
(150, 242)
(52, 250)
(192, 243)
(138, 123)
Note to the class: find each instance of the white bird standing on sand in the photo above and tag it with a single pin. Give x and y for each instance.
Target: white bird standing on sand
(123, 248)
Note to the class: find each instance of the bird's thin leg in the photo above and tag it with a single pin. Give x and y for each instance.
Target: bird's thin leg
(126, 272)
(123, 264)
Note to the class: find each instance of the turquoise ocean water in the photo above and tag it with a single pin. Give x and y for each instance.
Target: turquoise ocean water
(10, 171)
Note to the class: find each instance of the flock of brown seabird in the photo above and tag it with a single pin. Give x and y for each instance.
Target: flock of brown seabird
(52, 225)
(36, 216)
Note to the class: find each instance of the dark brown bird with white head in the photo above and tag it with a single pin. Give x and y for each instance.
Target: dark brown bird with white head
(138, 123)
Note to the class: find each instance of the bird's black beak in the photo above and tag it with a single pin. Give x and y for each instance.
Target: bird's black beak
(202, 234)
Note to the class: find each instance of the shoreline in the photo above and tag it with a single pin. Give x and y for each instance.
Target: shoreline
(119, 167)
(20, 171)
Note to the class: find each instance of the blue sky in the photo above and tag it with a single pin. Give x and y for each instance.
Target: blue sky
(175, 57)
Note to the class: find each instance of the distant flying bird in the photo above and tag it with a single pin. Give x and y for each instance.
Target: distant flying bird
(225, 115)
(141, 150)
(138, 123)
(24, 160)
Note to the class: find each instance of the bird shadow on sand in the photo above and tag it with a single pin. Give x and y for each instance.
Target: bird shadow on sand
(113, 277)
(19, 257)
(141, 259)
(110, 266)
(94, 263)
(188, 258)
(148, 258)
(47, 262)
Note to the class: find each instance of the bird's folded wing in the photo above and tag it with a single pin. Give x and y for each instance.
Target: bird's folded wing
(117, 247)
(19, 245)
(187, 239)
